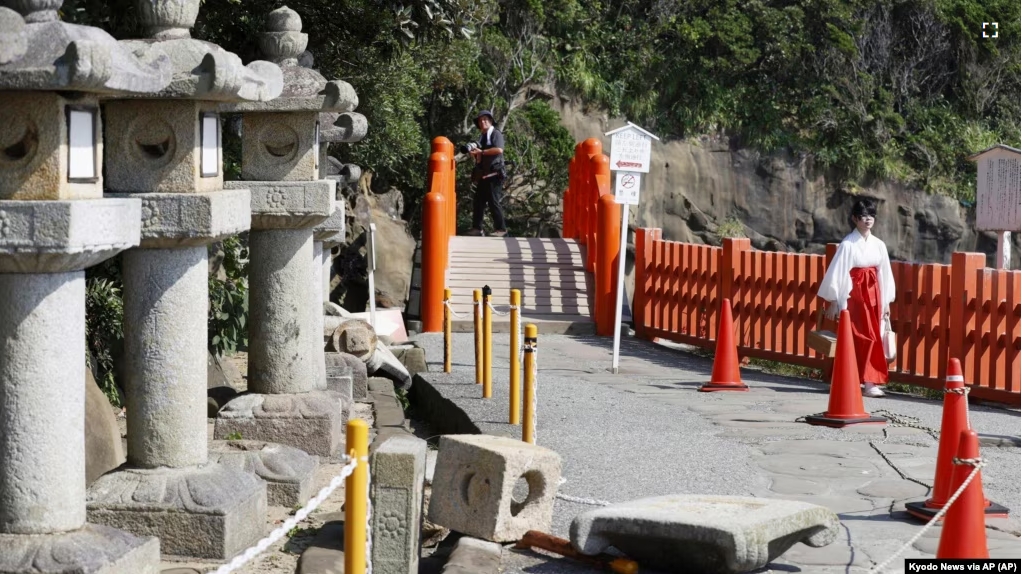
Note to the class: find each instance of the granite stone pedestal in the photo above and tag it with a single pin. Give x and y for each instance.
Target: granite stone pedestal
(327, 235)
(169, 488)
(44, 248)
(287, 369)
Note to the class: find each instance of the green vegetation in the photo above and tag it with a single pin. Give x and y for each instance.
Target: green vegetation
(731, 227)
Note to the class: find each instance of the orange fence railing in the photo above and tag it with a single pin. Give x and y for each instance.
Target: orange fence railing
(962, 310)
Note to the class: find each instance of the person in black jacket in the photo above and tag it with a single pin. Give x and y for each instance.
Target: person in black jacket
(488, 176)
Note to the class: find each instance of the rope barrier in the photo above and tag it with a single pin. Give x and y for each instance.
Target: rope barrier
(447, 303)
(290, 523)
(977, 464)
(501, 314)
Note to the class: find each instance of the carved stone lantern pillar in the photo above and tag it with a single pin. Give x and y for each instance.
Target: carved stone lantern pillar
(165, 150)
(55, 222)
(280, 164)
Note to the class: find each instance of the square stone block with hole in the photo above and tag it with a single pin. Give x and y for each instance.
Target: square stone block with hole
(475, 478)
(399, 468)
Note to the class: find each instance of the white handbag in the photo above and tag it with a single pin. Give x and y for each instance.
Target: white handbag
(890, 341)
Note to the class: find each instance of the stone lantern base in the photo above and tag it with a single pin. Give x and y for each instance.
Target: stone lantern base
(92, 548)
(313, 422)
(287, 471)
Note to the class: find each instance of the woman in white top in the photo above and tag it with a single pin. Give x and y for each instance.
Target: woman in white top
(860, 279)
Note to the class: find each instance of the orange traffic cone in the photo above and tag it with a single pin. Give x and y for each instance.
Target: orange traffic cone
(964, 534)
(954, 421)
(845, 406)
(725, 376)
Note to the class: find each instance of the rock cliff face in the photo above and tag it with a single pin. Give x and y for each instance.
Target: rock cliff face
(783, 202)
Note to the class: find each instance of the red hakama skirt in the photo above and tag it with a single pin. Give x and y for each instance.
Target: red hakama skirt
(864, 308)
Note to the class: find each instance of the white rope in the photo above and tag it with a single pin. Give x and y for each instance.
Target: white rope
(977, 464)
(535, 393)
(290, 523)
(589, 501)
(964, 391)
(502, 314)
(447, 303)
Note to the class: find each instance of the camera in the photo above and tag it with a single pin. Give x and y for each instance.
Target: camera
(468, 147)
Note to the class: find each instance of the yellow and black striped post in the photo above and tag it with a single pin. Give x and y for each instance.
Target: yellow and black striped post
(477, 327)
(447, 331)
(529, 424)
(487, 344)
(515, 414)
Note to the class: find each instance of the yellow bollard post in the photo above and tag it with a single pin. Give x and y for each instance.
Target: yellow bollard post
(447, 331)
(477, 321)
(356, 498)
(514, 417)
(487, 344)
(529, 425)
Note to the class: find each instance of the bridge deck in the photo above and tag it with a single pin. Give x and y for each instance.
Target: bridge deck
(549, 272)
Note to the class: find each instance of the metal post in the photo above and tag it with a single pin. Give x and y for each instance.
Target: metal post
(487, 344)
(529, 425)
(514, 415)
(477, 329)
(620, 287)
(447, 331)
(371, 248)
(356, 498)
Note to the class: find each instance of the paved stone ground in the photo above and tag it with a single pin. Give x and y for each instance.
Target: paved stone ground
(647, 432)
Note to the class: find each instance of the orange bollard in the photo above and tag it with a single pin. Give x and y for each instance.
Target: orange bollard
(955, 420)
(608, 245)
(845, 406)
(439, 163)
(726, 375)
(599, 184)
(964, 534)
(434, 255)
(444, 146)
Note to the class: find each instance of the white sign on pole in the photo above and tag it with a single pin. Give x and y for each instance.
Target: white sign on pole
(626, 190)
(999, 196)
(371, 265)
(630, 149)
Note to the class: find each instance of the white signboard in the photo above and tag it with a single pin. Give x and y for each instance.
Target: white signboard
(998, 200)
(210, 158)
(81, 135)
(626, 190)
(629, 150)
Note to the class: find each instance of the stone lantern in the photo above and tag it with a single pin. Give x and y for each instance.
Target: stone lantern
(280, 164)
(165, 150)
(55, 222)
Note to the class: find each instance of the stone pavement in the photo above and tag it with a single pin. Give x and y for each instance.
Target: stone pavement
(647, 432)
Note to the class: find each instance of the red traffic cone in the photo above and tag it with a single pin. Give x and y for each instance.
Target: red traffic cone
(964, 534)
(954, 421)
(725, 376)
(845, 406)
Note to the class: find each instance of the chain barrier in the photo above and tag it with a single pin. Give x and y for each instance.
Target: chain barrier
(977, 464)
(290, 523)
(447, 303)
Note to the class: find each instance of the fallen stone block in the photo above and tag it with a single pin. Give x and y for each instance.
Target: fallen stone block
(287, 471)
(473, 556)
(339, 377)
(384, 364)
(478, 474)
(357, 370)
(413, 358)
(701, 533)
(398, 467)
(355, 337)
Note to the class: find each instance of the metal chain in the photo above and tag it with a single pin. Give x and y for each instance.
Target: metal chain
(977, 464)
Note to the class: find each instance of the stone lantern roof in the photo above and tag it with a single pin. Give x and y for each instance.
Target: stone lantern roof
(39, 52)
(202, 70)
(304, 89)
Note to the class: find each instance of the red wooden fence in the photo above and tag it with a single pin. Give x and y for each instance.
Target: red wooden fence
(961, 310)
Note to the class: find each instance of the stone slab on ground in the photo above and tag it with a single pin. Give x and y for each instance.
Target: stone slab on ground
(92, 548)
(227, 505)
(313, 421)
(326, 554)
(711, 534)
(413, 358)
(473, 556)
(398, 467)
(487, 468)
